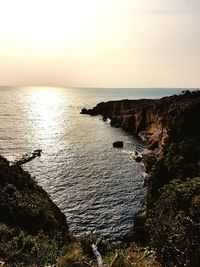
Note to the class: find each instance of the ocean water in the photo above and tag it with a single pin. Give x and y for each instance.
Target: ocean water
(97, 187)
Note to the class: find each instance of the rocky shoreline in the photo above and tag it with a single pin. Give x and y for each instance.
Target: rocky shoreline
(171, 128)
(149, 119)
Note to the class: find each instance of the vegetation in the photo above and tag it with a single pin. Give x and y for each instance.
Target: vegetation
(33, 231)
(173, 205)
(32, 228)
(21, 249)
(131, 256)
(180, 156)
(174, 223)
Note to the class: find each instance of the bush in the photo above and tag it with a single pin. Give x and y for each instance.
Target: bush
(174, 223)
(177, 161)
(73, 257)
(32, 228)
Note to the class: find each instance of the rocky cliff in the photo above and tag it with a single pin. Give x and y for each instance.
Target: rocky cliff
(171, 224)
(150, 119)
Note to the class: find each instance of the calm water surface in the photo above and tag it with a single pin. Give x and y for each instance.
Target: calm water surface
(97, 187)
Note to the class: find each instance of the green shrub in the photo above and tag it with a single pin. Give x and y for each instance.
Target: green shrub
(32, 228)
(174, 223)
(29, 250)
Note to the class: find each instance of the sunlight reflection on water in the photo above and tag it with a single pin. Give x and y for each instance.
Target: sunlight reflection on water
(45, 104)
(96, 186)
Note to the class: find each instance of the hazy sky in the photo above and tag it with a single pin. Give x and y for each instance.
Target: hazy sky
(114, 43)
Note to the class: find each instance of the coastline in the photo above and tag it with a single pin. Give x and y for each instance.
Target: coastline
(29, 217)
(171, 128)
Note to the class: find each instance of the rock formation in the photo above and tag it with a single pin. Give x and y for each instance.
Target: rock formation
(150, 119)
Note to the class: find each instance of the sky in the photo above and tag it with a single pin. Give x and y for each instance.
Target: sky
(100, 43)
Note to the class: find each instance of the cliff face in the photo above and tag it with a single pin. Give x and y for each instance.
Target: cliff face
(171, 223)
(150, 119)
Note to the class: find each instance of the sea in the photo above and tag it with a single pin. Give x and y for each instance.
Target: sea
(99, 188)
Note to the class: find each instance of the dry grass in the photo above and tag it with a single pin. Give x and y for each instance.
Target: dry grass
(132, 257)
(129, 257)
(73, 257)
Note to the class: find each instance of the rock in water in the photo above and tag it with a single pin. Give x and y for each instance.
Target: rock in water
(91, 112)
(104, 118)
(118, 144)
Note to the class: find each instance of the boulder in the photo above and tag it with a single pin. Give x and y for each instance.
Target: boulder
(118, 144)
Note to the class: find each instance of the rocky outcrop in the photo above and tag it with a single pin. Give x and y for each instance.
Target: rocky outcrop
(149, 119)
(172, 208)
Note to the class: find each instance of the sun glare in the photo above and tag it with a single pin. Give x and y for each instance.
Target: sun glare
(42, 25)
(99, 43)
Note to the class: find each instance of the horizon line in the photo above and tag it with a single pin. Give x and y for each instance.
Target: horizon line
(103, 87)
